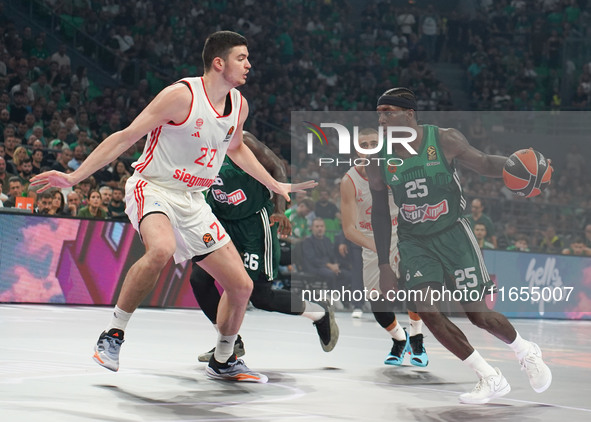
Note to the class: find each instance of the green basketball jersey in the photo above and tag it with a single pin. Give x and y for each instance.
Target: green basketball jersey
(235, 194)
(426, 189)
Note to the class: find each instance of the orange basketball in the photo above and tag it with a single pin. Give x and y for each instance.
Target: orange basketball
(527, 173)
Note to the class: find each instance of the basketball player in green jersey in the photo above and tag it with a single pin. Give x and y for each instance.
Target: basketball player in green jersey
(436, 244)
(253, 217)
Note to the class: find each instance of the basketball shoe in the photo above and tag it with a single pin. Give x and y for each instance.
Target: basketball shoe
(418, 354)
(540, 376)
(233, 370)
(327, 328)
(488, 388)
(399, 348)
(238, 350)
(107, 348)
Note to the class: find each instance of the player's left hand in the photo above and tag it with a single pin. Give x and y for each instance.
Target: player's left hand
(284, 189)
(283, 224)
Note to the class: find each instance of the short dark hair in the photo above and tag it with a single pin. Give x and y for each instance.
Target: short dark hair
(219, 44)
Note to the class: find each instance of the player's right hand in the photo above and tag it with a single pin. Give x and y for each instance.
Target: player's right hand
(388, 280)
(52, 179)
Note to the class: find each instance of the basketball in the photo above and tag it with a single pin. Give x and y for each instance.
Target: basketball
(527, 173)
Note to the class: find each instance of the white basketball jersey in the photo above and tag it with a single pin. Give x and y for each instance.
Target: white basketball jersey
(188, 156)
(363, 199)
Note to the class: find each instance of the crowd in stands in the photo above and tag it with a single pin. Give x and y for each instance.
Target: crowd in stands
(307, 55)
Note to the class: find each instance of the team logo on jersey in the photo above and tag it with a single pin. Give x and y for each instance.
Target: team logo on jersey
(229, 134)
(208, 240)
(235, 198)
(218, 181)
(431, 153)
(426, 212)
(392, 169)
(198, 125)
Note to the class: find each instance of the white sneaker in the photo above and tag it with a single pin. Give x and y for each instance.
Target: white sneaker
(488, 388)
(357, 313)
(540, 376)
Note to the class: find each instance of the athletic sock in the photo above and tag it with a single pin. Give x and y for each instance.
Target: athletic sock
(224, 348)
(397, 332)
(416, 327)
(520, 346)
(119, 320)
(479, 365)
(313, 311)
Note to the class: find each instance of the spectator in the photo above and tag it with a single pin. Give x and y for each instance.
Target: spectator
(521, 243)
(93, 209)
(61, 57)
(324, 207)
(551, 242)
(320, 258)
(44, 203)
(587, 233)
(117, 204)
(63, 159)
(74, 202)
(15, 189)
(79, 156)
(57, 202)
(477, 216)
(577, 248)
(3, 197)
(37, 159)
(4, 175)
(26, 170)
(508, 237)
(480, 234)
(299, 219)
(106, 195)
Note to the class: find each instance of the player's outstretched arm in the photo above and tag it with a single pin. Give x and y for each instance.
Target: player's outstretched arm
(274, 165)
(382, 227)
(456, 146)
(246, 160)
(171, 104)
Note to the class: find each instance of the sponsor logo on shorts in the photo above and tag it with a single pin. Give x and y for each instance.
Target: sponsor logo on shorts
(235, 198)
(208, 240)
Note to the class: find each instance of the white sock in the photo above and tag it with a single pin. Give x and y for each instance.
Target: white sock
(416, 327)
(224, 348)
(313, 311)
(520, 347)
(120, 319)
(479, 365)
(397, 332)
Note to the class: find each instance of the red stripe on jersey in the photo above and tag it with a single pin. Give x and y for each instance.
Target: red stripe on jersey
(150, 152)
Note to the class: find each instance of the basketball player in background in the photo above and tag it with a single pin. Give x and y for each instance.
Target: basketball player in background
(192, 125)
(356, 219)
(436, 242)
(252, 216)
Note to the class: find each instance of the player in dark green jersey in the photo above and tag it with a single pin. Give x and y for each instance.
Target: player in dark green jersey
(252, 216)
(437, 247)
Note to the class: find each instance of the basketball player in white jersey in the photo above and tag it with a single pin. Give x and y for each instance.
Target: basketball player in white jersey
(192, 125)
(356, 220)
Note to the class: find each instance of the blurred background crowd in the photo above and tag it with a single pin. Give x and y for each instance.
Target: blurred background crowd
(74, 71)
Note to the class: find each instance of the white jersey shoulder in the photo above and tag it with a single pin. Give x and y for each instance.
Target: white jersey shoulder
(364, 204)
(188, 155)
